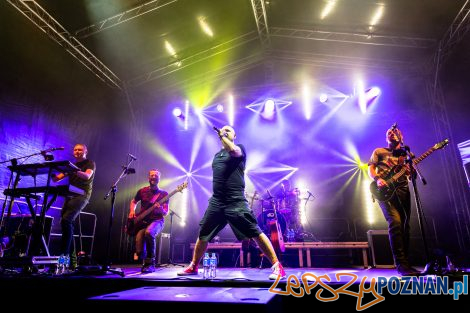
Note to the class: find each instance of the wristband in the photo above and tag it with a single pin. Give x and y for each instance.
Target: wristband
(376, 177)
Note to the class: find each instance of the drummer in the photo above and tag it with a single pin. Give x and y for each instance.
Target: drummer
(287, 197)
(288, 205)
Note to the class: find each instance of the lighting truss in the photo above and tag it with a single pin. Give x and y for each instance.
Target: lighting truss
(193, 59)
(261, 19)
(355, 38)
(122, 17)
(36, 14)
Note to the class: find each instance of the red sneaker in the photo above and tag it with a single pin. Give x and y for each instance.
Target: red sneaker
(190, 270)
(278, 270)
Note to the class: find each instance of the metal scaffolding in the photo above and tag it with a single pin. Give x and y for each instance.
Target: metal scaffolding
(193, 59)
(36, 14)
(261, 19)
(122, 17)
(452, 165)
(355, 38)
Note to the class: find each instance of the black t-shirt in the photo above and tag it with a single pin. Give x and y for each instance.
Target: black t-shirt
(228, 182)
(86, 185)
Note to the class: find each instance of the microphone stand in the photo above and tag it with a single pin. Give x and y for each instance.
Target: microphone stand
(106, 266)
(170, 253)
(432, 267)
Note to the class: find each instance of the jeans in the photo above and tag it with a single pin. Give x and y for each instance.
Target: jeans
(145, 240)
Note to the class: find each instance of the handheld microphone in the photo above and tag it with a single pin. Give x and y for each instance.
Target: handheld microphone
(51, 149)
(216, 129)
(132, 157)
(394, 126)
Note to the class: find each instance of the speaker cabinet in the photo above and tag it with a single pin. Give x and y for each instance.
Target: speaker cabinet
(380, 249)
(163, 248)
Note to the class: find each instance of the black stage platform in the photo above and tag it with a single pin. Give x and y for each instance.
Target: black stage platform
(246, 289)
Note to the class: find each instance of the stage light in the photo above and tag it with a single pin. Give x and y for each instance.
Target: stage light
(269, 109)
(178, 113)
(220, 108)
(323, 97)
(372, 93)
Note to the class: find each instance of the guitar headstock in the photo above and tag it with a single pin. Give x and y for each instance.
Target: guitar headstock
(441, 144)
(182, 186)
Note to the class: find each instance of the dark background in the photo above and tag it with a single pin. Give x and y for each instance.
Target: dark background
(48, 98)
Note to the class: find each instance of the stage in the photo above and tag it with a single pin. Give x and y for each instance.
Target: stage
(248, 289)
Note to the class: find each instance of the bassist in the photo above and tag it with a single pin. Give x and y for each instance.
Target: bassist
(396, 209)
(152, 224)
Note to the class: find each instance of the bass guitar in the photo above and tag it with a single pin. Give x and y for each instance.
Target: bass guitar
(277, 238)
(136, 223)
(397, 175)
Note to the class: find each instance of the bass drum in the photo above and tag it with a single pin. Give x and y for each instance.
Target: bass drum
(268, 215)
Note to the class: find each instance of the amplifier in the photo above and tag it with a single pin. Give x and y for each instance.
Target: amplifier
(380, 249)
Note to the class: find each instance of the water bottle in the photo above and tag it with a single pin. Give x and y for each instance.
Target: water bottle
(206, 265)
(60, 265)
(290, 235)
(213, 266)
(66, 263)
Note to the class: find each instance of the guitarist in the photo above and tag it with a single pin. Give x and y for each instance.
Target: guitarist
(397, 210)
(229, 205)
(152, 224)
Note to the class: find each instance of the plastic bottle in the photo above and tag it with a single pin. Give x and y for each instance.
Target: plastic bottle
(213, 266)
(60, 265)
(206, 265)
(66, 263)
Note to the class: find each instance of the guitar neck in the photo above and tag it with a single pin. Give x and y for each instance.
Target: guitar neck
(424, 155)
(161, 201)
(415, 161)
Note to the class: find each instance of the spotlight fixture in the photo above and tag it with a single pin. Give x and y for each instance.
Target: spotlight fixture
(269, 109)
(178, 113)
(323, 97)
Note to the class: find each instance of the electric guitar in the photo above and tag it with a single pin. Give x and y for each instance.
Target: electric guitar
(136, 223)
(397, 175)
(277, 238)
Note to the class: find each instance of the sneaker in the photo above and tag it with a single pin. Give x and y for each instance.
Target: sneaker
(190, 270)
(278, 270)
(148, 268)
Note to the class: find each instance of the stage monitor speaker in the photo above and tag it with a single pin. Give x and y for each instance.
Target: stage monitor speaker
(163, 248)
(380, 249)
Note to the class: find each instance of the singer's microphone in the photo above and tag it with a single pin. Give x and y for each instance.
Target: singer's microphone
(394, 126)
(132, 157)
(51, 149)
(216, 129)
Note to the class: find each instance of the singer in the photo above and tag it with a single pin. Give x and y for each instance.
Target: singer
(397, 210)
(82, 179)
(229, 205)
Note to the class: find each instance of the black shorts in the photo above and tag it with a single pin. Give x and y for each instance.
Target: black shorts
(236, 214)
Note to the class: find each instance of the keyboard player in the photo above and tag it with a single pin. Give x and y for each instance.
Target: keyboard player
(73, 204)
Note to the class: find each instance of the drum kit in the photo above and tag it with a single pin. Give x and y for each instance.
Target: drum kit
(285, 209)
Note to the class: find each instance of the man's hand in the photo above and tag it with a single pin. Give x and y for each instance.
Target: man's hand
(381, 183)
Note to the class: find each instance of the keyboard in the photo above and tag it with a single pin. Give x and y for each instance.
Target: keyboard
(61, 190)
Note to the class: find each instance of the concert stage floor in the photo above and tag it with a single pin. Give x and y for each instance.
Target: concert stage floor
(247, 289)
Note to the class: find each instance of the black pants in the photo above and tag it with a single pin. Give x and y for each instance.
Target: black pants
(397, 213)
